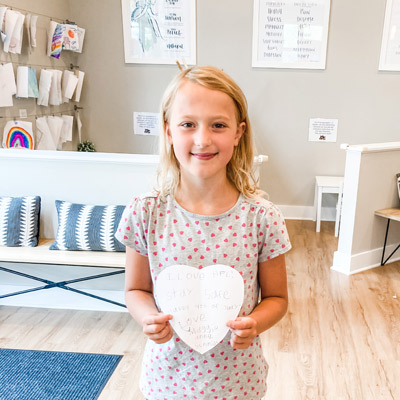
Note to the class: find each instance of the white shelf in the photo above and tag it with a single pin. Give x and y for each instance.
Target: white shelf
(77, 156)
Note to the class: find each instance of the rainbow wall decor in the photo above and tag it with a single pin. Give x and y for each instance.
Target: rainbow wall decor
(18, 134)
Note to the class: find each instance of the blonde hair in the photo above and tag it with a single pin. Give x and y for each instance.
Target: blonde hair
(239, 170)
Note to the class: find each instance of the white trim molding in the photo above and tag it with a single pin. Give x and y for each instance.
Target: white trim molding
(350, 264)
(307, 212)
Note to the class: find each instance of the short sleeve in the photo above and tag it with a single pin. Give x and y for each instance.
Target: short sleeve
(132, 230)
(274, 236)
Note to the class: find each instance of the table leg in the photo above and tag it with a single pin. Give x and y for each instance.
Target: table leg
(384, 243)
(383, 261)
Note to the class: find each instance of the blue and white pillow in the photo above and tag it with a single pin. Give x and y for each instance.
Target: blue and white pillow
(87, 227)
(19, 221)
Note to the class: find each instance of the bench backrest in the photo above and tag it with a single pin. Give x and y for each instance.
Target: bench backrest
(87, 178)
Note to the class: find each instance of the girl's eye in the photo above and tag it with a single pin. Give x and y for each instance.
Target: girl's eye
(187, 125)
(219, 125)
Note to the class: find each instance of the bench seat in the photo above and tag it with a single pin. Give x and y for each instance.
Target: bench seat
(42, 255)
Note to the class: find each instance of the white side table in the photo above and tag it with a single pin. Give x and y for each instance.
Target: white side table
(328, 184)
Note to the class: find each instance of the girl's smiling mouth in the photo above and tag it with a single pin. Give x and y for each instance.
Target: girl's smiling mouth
(204, 156)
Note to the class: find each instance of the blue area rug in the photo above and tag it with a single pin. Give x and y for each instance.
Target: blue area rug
(51, 375)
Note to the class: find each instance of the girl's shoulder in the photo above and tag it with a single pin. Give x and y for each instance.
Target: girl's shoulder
(260, 204)
(147, 196)
(263, 209)
(147, 200)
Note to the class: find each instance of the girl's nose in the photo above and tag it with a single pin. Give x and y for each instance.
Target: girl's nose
(202, 137)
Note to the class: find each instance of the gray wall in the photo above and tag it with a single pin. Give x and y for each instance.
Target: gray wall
(369, 185)
(376, 190)
(281, 102)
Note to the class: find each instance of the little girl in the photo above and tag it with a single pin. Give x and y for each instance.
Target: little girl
(207, 210)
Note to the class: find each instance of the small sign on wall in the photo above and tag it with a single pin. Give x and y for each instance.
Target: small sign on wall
(145, 123)
(322, 130)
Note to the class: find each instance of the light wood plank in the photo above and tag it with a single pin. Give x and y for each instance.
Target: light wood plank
(340, 339)
(390, 213)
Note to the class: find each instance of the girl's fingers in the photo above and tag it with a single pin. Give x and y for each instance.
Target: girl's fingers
(157, 327)
(240, 343)
(241, 323)
(154, 328)
(243, 332)
(164, 332)
(155, 319)
(162, 337)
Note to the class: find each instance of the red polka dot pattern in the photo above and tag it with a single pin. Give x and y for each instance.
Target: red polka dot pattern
(250, 233)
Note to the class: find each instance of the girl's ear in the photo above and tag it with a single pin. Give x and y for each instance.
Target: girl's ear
(168, 133)
(239, 133)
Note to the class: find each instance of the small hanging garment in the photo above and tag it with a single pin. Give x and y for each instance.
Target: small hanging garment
(44, 138)
(46, 77)
(55, 98)
(33, 30)
(7, 85)
(33, 90)
(22, 81)
(15, 43)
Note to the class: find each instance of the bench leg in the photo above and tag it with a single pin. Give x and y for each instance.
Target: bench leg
(62, 285)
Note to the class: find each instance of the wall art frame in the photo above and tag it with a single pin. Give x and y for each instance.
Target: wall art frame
(159, 31)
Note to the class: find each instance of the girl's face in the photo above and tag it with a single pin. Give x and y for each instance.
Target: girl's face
(203, 130)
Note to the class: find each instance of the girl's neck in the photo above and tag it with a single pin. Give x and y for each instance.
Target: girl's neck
(206, 199)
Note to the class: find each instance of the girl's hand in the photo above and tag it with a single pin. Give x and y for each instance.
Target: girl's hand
(157, 327)
(244, 330)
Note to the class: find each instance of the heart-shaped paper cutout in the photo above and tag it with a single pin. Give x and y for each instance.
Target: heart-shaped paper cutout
(201, 302)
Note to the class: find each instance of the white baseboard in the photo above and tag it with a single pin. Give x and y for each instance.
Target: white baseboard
(307, 212)
(353, 264)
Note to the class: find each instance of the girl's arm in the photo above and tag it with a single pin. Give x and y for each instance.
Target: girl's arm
(272, 307)
(140, 300)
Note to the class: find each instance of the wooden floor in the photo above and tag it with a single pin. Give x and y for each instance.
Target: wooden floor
(339, 340)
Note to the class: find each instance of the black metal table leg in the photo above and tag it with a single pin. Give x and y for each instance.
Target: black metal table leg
(384, 246)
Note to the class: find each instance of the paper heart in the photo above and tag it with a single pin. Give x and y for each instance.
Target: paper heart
(201, 302)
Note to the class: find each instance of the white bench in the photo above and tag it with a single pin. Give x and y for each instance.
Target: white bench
(41, 254)
(85, 178)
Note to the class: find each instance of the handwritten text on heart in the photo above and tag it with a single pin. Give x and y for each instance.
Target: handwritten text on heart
(200, 301)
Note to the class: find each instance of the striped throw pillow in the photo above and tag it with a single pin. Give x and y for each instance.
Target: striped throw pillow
(19, 221)
(87, 227)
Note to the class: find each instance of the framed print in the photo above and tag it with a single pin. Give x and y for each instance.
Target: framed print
(159, 31)
(390, 49)
(290, 34)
